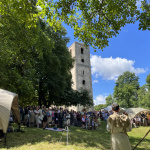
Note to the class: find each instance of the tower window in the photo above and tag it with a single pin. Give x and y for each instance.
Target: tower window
(83, 82)
(82, 60)
(82, 50)
(83, 72)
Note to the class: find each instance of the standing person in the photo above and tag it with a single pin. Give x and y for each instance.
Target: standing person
(21, 114)
(68, 118)
(64, 120)
(40, 116)
(50, 119)
(119, 124)
(61, 115)
(138, 120)
(78, 119)
(53, 115)
(143, 118)
(146, 120)
(99, 122)
(48, 116)
(56, 118)
(37, 116)
(83, 121)
(72, 117)
(44, 118)
(26, 116)
(75, 118)
(31, 117)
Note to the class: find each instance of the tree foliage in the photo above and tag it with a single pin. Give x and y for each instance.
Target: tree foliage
(99, 107)
(125, 91)
(148, 81)
(109, 100)
(94, 22)
(34, 60)
(144, 16)
(144, 97)
(144, 94)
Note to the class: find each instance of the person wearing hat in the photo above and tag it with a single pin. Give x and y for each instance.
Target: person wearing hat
(119, 124)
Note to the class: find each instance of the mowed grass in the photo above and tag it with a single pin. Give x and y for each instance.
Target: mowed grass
(81, 139)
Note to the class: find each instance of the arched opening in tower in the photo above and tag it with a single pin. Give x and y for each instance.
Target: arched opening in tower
(83, 82)
(82, 60)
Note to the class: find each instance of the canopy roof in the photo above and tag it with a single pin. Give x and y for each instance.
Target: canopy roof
(108, 108)
(8, 102)
(134, 111)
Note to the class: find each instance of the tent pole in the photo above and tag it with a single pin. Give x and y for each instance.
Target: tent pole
(5, 139)
(141, 140)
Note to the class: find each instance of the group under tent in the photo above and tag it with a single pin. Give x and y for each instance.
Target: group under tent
(8, 103)
(132, 112)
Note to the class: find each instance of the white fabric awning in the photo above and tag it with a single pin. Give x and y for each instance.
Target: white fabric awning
(108, 108)
(8, 102)
(133, 111)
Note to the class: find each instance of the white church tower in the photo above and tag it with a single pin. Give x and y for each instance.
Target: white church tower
(81, 72)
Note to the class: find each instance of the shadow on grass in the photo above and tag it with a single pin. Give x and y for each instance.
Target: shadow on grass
(95, 139)
(79, 137)
(144, 145)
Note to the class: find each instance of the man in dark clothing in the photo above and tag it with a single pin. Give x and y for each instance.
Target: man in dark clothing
(78, 119)
(61, 114)
(72, 117)
(143, 117)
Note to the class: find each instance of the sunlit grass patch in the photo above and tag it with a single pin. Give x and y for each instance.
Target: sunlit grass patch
(81, 139)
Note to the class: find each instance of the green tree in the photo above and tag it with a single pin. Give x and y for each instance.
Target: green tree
(16, 48)
(109, 100)
(144, 94)
(125, 91)
(144, 16)
(99, 107)
(144, 97)
(148, 81)
(34, 61)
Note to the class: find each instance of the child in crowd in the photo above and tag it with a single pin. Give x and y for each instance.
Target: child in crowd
(83, 121)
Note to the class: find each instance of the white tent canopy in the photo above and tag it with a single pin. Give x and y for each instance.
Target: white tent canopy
(108, 108)
(8, 102)
(133, 111)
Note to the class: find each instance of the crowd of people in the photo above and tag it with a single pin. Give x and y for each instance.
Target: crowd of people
(58, 117)
(141, 119)
(42, 117)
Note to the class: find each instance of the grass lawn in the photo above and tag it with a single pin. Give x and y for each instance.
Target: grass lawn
(81, 139)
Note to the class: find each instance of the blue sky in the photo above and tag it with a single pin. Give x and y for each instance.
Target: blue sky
(129, 51)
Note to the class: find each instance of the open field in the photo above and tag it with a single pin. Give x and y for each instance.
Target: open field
(81, 139)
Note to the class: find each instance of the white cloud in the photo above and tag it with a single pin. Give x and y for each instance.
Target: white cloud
(95, 81)
(111, 68)
(100, 99)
